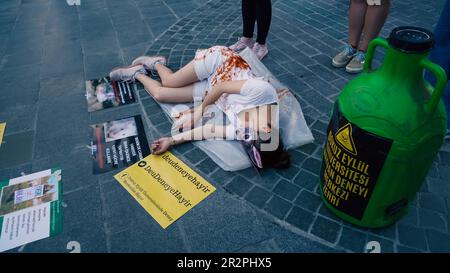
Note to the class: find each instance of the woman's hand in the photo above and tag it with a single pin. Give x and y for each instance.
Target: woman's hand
(161, 145)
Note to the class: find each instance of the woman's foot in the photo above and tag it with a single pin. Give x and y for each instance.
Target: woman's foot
(260, 50)
(242, 43)
(356, 65)
(127, 73)
(149, 62)
(344, 57)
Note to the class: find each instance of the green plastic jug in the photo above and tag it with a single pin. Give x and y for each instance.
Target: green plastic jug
(386, 128)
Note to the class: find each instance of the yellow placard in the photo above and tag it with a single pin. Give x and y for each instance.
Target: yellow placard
(2, 131)
(164, 186)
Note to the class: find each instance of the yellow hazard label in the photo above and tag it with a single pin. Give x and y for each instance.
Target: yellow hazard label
(344, 138)
(2, 131)
(164, 186)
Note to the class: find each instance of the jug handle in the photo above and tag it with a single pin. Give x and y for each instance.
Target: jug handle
(441, 82)
(371, 50)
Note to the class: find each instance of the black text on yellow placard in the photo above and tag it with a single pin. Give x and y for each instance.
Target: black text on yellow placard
(165, 186)
(2, 131)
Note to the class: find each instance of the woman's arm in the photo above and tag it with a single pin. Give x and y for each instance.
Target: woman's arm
(208, 131)
(231, 87)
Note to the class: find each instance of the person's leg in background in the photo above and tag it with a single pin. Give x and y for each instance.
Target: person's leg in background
(441, 55)
(374, 20)
(356, 18)
(263, 20)
(356, 15)
(248, 20)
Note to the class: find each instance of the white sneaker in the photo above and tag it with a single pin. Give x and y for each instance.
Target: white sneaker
(149, 62)
(260, 50)
(344, 57)
(127, 73)
(356, 65)
(242, 43)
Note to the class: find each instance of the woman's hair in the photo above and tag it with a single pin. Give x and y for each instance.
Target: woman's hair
(278, 158)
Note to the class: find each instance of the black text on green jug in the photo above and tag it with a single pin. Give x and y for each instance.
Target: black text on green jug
(386, 128)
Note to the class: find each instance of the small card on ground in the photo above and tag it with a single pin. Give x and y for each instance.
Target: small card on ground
(105, 93)
(2, 131)
(164, 186)
(118, 143)
(30, 208)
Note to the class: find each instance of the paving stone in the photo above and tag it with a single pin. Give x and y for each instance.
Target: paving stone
(438, 241)
(207, 166)
(18, 118)
(17, 92)
(132, 52)
(238, 185)
(100, 64)
(286, 189)
(324, 211)
(76, 168)
(183, 148)
(16, 57)
(387, 246)
(289, 173)
(300, 218)
(306, 180)
(268, 179)
(405, 249)
(308, 200)
(445, 158)
(80, 223)
(432, 202)
(293, 243)
(439, 187)
(258, 196)
(326, 229)
(236, 227)
(411, 217)
(388, 232)
(195, 155)
(313, 165)
(268, 246)
(58, 61)
(412, 236)
(353, 240)
(431, 219)
(277, 207)
(16, 149)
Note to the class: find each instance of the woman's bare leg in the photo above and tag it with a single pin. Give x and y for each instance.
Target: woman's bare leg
(166, 94)
(185, 76)
(375, 18)
(356, 16)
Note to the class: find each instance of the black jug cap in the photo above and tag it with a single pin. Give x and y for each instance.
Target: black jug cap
(411, 39)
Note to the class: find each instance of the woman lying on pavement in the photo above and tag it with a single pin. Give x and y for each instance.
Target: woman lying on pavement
(216, 76)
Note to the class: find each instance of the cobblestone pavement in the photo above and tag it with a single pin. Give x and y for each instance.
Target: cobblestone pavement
(48, 49)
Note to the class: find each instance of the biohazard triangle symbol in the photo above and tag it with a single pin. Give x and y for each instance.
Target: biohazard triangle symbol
(345, 139)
